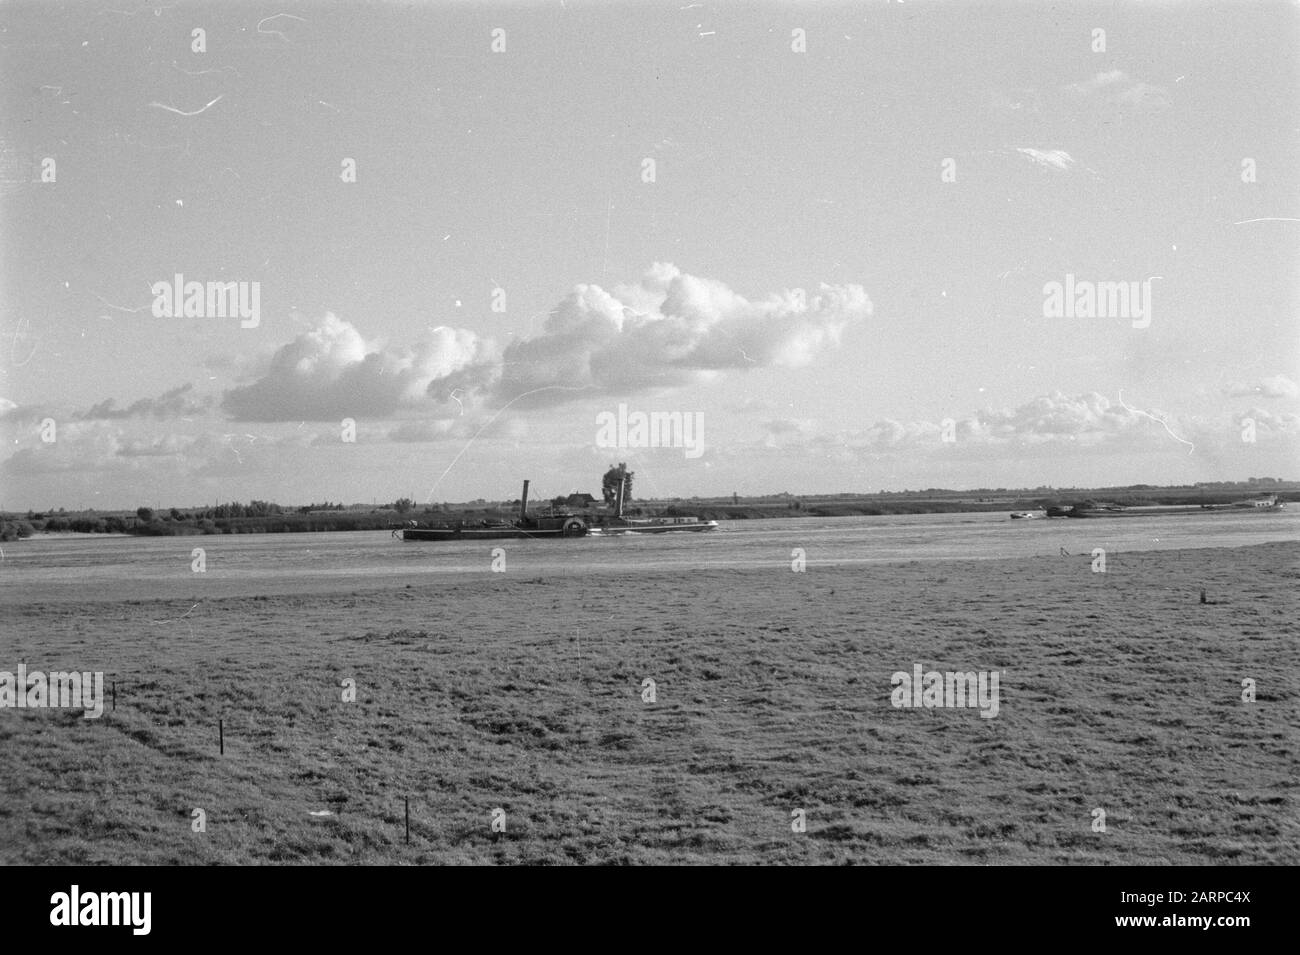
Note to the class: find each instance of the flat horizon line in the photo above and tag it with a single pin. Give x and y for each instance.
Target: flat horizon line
(1246, 485)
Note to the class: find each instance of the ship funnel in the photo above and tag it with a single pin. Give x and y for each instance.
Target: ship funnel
(618, 498)
(523, 503)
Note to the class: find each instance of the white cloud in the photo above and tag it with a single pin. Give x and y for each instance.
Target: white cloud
(1117, 87)
(1101, 81)
(166, 446)
(1049, 158)
(1269, 422)
(330, 373)
(669, 329)
(176, 403)
(1057, 416)
(1085, 419)
(89, 448)
(1276, 386)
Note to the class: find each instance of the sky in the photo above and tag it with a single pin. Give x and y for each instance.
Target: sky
(824, 234)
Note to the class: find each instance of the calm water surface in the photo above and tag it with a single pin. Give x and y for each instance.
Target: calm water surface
(96, 562)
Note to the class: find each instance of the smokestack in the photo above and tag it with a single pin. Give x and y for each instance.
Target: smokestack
(523, 503)
(618, 498)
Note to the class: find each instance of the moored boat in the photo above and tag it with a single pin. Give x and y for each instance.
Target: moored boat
(1088, 509)
(1265, 502)
(651, 525)
(525, 528)
(617, 525)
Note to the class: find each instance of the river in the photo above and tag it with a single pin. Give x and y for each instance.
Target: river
(102, 566)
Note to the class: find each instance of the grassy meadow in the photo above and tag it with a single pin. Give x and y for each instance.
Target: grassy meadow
(1119, 691)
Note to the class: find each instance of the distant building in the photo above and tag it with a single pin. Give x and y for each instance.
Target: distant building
(579, 500)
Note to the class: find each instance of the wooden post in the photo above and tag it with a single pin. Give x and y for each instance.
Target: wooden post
(407, 801)
(221, 736)
(114, 694)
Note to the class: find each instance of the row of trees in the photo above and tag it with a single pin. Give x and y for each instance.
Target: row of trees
(112, 524)
(219, 512)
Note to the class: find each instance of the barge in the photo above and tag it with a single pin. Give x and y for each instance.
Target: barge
(616, 525)
(524, 528)
(1088, 509)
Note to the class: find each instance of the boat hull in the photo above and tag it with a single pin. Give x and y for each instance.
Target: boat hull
(1165, 510)
(532, 528)
(653, 527)
(481, 533)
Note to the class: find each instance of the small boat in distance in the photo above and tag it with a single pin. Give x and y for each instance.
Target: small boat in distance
(550, 526)
(1268, 502)
(1086, 509)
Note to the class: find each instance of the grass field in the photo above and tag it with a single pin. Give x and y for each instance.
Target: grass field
(1119, 691)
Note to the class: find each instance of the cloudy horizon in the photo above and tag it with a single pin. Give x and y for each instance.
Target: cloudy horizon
(501, 222)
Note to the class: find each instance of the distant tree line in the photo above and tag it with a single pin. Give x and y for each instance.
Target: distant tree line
(233, 517)
(327, 506)
(265, 517)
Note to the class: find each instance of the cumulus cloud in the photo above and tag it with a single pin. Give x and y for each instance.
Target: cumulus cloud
(177, 403)
(16, 415)
(1277, 386)
(166, 446)
(1085, 419)
(82, 448)
(241, 367)
(1101, 81)
(669, 329)
(780, 432)
(1048, 158)
(330, 372)
(1270, 422)
(1046, 425)
(1117, 87)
